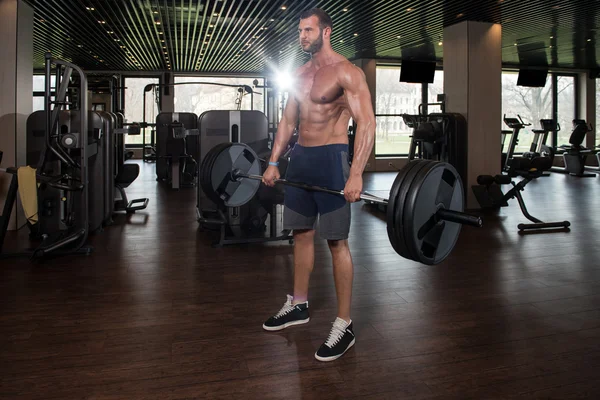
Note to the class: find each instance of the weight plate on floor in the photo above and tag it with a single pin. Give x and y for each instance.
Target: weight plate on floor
(219, 184)
(437, 185)
(403, 193)
(393, 206)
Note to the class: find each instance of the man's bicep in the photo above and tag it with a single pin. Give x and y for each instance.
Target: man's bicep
(358, 95)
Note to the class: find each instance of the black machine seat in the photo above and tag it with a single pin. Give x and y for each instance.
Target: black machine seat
(127, 175)
(529, 168)
(580, 129)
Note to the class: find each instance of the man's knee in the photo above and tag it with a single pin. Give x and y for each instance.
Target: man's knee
(338, 245)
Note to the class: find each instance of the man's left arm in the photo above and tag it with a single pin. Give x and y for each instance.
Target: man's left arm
(352, 80)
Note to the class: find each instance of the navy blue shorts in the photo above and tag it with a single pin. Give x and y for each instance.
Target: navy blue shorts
(325, 166)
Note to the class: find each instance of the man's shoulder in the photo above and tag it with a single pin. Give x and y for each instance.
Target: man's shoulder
(303, 68)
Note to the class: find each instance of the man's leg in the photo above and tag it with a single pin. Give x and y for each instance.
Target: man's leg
(304, 259)
(343, 273)
(299, 215)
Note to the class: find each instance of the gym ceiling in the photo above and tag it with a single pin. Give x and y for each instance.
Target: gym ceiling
(249, 36)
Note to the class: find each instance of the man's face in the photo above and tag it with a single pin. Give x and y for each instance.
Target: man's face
(310, 35)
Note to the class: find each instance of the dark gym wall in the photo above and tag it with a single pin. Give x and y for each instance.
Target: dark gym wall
(16, 86)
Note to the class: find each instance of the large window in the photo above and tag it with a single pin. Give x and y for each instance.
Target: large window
(566, 112)
(134, 101)
(394, 98)
(198, 98)
(531, 103)
(39, 85)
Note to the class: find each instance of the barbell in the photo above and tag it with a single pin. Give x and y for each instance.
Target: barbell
(424, 210)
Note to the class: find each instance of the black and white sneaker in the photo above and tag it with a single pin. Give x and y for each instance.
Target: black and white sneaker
(288, 315)
(340, 339)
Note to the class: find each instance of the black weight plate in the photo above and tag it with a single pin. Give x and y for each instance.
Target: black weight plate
(235, 193)
(392, 204)
(205, 172)
(438, 185)
(204, 168)
(403, 194)
(396, 205)
(411, 186)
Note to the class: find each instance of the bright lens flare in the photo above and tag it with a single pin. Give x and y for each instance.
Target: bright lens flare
(284, 80)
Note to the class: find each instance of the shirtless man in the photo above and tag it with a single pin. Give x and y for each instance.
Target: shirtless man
(328, 91)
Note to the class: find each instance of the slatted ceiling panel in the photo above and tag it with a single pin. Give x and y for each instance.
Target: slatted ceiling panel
(251, 36)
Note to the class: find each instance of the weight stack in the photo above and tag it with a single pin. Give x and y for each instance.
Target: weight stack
(456, 135)
(167, 145)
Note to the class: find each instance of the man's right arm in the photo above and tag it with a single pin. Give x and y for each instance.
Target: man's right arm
(285, 129)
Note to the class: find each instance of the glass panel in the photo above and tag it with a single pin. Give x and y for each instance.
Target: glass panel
(531, 103)
(433, 89)
(565, 88)
(393, 136)
(39, 82)
(134, 100)
(200, 98)
(394, 97)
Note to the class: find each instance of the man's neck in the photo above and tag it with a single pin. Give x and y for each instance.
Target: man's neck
(322, 58)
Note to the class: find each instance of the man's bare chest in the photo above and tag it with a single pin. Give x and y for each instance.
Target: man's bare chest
(320, 88)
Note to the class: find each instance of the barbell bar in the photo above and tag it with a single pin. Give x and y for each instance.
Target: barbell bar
(440, 215)
(424, 210)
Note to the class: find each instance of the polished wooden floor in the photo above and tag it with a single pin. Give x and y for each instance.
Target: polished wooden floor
(157, 313)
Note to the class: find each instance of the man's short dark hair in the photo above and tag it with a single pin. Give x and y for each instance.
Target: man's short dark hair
(324, 18)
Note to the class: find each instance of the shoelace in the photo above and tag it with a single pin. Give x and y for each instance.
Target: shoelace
(337, 331)
(287, 307)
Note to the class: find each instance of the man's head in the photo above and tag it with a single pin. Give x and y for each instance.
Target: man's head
(314, 30)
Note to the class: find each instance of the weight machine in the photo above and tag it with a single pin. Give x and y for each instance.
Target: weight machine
(62, 173)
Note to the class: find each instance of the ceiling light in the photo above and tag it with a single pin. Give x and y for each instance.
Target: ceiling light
(398, 37)
(440, 43)
(90, 8)
(211, 26)
(155, 12)
(345, 9)
(551, 37)
(283, 7)
(589, 40)
(341, 41)
(215, 15)
(410, 9)
(460, 15)
(272, 20)
(157, 22)
(160, 33)
(101, 22)
(356, 34)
